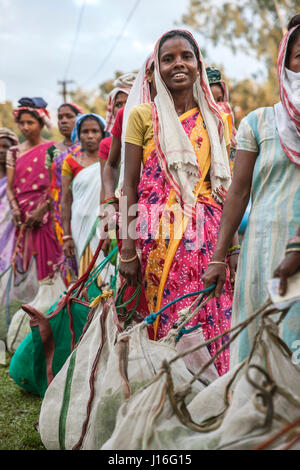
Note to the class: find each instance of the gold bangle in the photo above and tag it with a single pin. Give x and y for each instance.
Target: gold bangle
(128, 260)
(217, 262)
(291, 250)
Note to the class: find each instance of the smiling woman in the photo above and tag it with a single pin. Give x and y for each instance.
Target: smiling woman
(180, 141)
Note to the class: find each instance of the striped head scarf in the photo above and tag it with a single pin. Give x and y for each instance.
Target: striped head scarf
(175, 151)
(4, 132)
(287, 111)
(36, 106)
(121, 84)
(215, 78)
(77, 109)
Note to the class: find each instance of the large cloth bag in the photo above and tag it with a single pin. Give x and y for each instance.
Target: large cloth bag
(54, 335)
(241, 410)
(80, 406)
(19, 327)
(15, 289)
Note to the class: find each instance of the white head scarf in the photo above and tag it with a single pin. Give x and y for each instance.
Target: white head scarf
(121, 84)
(175, 151)
(139, 94)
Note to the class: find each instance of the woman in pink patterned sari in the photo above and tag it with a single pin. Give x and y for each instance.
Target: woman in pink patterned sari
(180, 141)
(28, 192)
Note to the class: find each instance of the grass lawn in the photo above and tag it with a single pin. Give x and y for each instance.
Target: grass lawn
(19, 411)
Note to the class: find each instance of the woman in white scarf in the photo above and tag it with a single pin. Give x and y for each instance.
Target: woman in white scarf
(180, 144)
(81, 187)
(267, 166)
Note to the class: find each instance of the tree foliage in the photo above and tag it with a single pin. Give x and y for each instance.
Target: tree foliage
(255, 28)
(94, 101)
(6, 117)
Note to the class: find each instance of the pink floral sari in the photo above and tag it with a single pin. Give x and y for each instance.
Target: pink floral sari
(31, 187)
(192, 252)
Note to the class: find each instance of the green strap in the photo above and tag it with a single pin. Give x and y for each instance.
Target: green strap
(133, 310)
(100, 267)
(120, 307)
(91, 234)
(136, 293)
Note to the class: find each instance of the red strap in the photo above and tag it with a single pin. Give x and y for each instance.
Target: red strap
(81, 281)
(38, 319)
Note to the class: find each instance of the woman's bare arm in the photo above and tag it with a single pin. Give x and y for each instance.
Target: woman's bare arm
(289, 266)
(133, 158)
(102, 193)
(111, 168)
(10, 172)
(66, 204)
(234, 208)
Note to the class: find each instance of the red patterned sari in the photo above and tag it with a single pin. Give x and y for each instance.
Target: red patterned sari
(175, 255)
(31, 187)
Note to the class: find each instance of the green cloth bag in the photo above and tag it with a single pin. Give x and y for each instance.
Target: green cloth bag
(53, 336)
(45, 349)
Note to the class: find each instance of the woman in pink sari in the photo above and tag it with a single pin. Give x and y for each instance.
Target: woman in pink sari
(28, 192)
(180, 142)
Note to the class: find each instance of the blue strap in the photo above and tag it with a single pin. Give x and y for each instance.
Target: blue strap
(152, 317)
(184, 331)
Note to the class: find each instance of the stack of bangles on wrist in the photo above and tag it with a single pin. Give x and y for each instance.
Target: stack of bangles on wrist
(293, 245)
(111, 200)
(67, 237)
(129, 259)
(234, 250)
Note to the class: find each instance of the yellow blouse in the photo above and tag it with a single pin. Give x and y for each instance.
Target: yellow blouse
(139, 130)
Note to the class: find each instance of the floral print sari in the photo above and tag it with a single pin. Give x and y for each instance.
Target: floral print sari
(175, 251)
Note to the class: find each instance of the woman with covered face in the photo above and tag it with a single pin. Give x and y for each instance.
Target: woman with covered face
(116, 102)
(81, 187)
(7, 229)
(220, 93)
(267, 167)
(180, 142)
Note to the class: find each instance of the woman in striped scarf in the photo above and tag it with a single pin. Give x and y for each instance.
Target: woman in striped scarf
(267, 166)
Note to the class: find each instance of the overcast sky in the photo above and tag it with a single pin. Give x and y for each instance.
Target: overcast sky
(38, 46)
